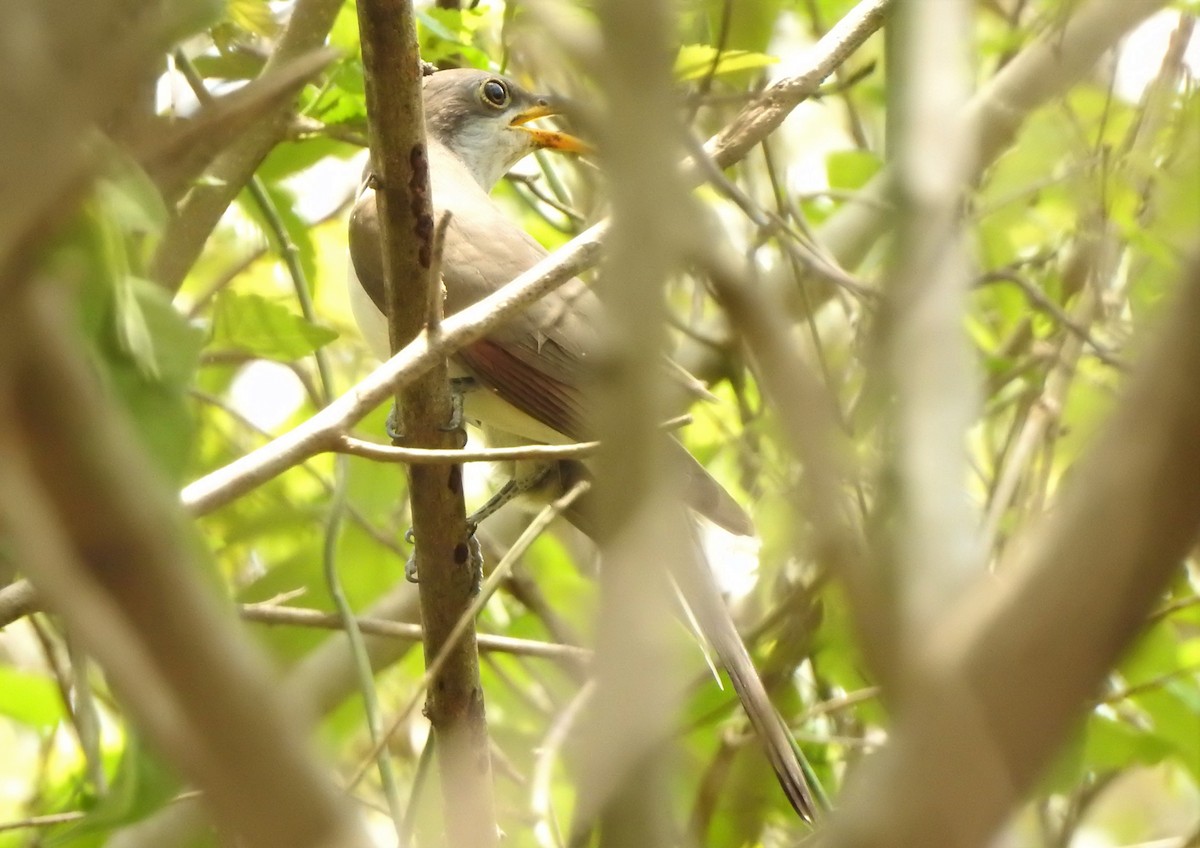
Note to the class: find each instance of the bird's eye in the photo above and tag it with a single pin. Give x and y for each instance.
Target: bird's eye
(496, 93)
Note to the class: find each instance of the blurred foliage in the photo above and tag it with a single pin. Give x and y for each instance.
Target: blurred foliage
(182, 369)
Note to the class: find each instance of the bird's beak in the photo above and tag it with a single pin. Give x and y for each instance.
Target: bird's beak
(548, 139)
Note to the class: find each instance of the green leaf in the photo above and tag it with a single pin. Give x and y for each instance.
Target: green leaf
(344, 33)
(145, 352)
(261, 327)
(1154, 655)
(133, 331)
(230, 65)
(131, 200)
(140, 786)
(850, 170)
(748, 26)
(1174, 711)
(1113, 745)
(31, 699)
(446, 33)
(253, 16)
(1103, 744)
(179, 19)
(696, 61)
(151, 367)
(292, 157)
(158, 340)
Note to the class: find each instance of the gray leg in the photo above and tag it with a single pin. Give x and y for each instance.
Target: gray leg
(514, 488)
(459, 386)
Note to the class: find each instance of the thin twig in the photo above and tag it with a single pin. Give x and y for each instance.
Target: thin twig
(42, 821)
(434, 456)
(299, 617)
(1041, 301)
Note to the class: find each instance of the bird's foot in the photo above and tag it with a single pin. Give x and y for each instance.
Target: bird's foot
(474, 556)
(459, 386)
(392, 426)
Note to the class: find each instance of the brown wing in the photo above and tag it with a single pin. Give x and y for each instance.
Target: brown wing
(484, 250)
(529, 389)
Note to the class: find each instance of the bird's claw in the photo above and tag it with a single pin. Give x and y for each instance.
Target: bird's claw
(459, 386)
(474, 556)
(456, 424)
(410, 564)
(392, 425)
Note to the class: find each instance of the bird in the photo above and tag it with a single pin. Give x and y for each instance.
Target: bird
(532, 372)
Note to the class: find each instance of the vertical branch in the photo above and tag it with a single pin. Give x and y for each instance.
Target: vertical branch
(448, 577)
(644, 531)
(922, 344)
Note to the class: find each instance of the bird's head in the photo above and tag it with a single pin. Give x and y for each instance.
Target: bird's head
(483, 119)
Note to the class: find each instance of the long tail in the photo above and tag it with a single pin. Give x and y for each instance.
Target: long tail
(703, 598)
(793, 772)
(708, 497)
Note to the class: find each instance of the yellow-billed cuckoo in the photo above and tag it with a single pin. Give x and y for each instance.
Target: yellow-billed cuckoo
(532, 371)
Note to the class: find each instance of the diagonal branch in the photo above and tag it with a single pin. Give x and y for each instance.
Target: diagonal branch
(1004, 674)
(108, 554)
(321, 432)
(761, 117)
(1046, 69)
(196, 217)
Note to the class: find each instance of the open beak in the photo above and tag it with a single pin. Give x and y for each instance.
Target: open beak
(548, 139)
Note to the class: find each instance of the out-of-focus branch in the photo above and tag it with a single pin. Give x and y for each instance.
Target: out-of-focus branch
(1041, 72)
(199, 212)
(108, 554)
(929, 542)
(59, 101)
(642, 533)
(177, 154)
(324, 679)
(1004, 674)
(17, 600)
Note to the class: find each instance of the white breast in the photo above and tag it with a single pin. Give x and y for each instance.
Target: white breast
(481, 407)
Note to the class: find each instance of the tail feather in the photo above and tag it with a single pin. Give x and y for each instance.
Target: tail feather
(708, 497)
(796, 777)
